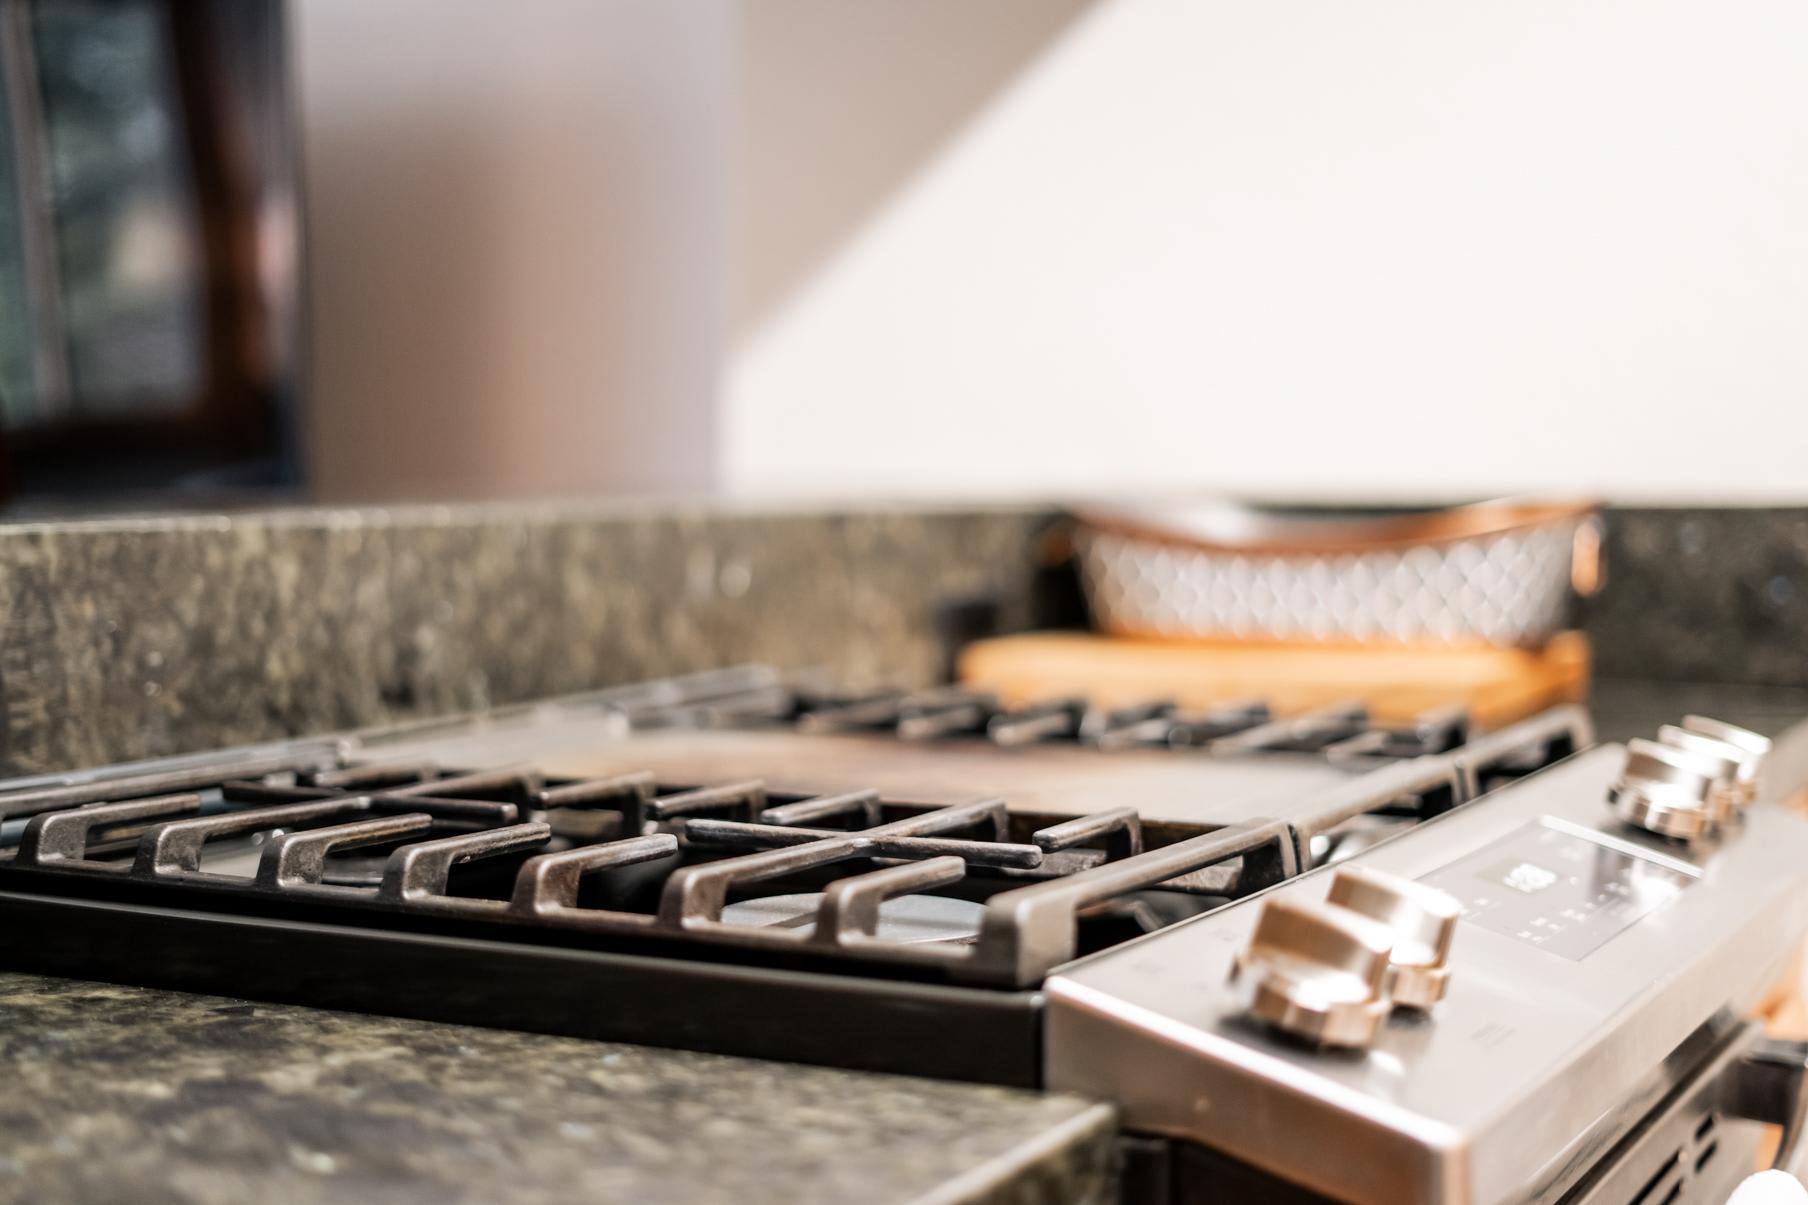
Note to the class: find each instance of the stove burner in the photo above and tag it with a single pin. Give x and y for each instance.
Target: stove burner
(907, 919)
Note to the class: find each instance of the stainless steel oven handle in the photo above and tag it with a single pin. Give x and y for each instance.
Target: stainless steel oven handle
(1769, 1084)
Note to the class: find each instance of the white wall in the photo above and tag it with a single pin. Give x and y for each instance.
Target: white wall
(517, 244)
(1308, 247)
(837, 104)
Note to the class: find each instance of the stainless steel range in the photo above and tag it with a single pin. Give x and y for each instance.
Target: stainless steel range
(1305, 954)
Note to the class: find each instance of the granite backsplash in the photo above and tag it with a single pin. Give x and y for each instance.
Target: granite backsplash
(134, 638)
(131, 639)
(1704, 595)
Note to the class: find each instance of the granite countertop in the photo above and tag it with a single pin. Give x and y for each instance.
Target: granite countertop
(117, 1093)
(1624, 708)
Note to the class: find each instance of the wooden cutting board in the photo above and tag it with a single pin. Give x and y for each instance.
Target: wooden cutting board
(1497, 685)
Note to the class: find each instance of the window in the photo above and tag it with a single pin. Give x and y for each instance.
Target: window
(145, 146)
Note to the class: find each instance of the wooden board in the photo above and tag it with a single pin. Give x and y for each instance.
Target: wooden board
(1497, 685)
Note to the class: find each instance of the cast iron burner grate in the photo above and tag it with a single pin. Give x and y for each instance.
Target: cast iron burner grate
(1342, 730)
(625, 857)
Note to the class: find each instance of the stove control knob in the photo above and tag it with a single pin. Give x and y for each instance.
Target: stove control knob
(1667, 791)
(1753, 749)
(1725, 760)
(1316, 972)
(1424, 923)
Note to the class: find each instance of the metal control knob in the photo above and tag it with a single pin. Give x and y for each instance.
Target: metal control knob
(1424, 923)
(1317, 972)
(1753, 749)
(1664, 790)
(1724, 760)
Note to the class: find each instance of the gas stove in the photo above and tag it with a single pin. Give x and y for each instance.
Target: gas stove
(934, 883)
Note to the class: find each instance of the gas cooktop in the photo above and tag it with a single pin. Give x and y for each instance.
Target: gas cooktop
(933, 883)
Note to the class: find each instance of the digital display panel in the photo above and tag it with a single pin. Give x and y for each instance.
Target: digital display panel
(1562, 889)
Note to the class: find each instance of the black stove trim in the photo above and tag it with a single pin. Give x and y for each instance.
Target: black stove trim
(942, 1031)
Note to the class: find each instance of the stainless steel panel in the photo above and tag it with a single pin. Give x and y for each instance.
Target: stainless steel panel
(1530, 1068)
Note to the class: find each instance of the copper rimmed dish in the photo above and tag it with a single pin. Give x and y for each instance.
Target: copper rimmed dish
(1503, 573)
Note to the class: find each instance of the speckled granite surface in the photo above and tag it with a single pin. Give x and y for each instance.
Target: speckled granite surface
(122, 1094)
(1623, 708)
(128, 639)
(1707, 595)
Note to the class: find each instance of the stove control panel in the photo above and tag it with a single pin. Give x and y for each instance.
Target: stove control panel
(1563, 952)
(1562, 888)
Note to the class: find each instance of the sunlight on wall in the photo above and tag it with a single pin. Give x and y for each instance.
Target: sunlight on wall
(1307, 248)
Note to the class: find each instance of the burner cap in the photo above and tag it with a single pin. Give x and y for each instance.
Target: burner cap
(907, 919)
